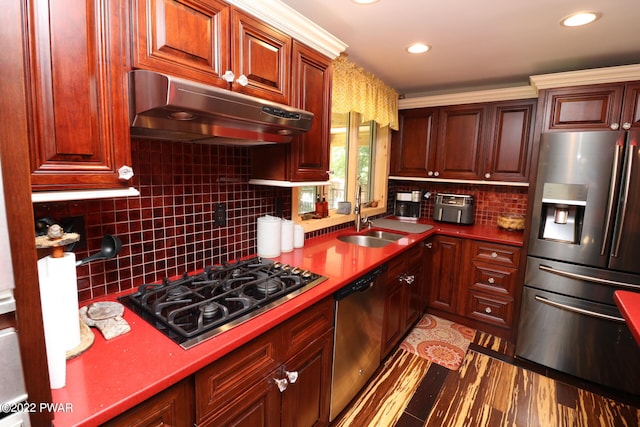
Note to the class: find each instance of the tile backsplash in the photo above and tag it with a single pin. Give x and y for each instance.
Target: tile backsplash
(490, 200)
(169, 229)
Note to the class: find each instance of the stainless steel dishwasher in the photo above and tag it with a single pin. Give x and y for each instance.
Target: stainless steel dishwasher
(358, 337)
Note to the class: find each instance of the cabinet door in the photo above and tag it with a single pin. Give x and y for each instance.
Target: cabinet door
(594, 107)
(311, 83)
(228, 379)
(259, 406)
(631, 107)
(184, 38)
(460, 149)
(81, 133)
(306, 402)
(447, 268)
(413, 146)
(510, 140)
(172, 407)
(261, 54)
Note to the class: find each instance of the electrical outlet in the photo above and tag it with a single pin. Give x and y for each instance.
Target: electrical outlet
(220, 216)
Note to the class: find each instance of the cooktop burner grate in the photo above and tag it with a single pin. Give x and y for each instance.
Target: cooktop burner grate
(193, 308)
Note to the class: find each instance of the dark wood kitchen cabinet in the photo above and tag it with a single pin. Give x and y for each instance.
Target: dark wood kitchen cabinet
(80, 134)
(172, 407)
(473, 282)
(282, 378)
(445, 273)
(203, 40)
(306, 158)
(403, 305)
(460, 142)
(594, 107)
(414, 145)
(484, 141)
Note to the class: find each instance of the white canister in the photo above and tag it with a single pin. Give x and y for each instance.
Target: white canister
(298, 236)
(269, 236)
(286, 240)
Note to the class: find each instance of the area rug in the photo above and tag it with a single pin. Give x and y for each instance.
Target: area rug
(439, 341)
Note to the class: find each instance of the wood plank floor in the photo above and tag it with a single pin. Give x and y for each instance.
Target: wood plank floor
(489, 389)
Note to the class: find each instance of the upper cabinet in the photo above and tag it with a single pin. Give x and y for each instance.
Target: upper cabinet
(307, 157)
(484, 141)
(213, 43)
(80, 135)
(595, 107)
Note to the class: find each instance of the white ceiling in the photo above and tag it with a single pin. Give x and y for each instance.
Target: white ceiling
(477, 44)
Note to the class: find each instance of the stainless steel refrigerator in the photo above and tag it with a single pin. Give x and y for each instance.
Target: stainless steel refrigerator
(584, 245)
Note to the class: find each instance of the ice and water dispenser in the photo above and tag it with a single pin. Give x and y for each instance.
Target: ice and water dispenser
(562, 212)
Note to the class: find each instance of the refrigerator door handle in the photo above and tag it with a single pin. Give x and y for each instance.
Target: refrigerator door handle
(612, 193)
(598, 280)
(578, 310)
(623, 197)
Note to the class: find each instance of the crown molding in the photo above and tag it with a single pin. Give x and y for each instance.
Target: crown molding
(616, 74)
(286, 19)
(503, 94)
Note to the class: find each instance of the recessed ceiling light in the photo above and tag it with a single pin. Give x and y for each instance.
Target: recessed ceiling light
(365, 1)
(418, 48)
(580, 18)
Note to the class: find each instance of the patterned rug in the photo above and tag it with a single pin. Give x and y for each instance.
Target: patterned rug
(439, 341)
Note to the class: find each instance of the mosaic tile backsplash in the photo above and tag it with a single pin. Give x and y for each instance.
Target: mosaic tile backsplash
(169, 229)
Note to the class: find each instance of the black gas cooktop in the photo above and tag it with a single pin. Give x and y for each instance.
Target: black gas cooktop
(193, 308)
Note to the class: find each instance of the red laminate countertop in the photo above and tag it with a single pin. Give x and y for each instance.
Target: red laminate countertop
(629, 305)
(114, 376)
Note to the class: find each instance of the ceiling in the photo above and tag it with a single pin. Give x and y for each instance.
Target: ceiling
(476, 44)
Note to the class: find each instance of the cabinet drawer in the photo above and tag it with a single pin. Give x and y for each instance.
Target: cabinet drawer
(307, 326)
(493, 277)
(490, 308)
(495, 253)
(222, 381)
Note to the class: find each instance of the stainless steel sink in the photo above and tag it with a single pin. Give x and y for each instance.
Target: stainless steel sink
(385, 235)
(371, 238)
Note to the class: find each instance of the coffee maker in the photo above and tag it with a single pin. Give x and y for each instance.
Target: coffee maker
(407, 205)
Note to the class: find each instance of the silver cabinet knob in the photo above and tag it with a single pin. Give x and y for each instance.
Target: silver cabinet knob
(228, 76)
(242, 80)
(281, 383)
(291, 376)
(125, 173)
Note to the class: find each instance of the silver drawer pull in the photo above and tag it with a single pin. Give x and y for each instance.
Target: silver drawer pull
(578, 310)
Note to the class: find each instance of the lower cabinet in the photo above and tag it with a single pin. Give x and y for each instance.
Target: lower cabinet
(473, 282)
(171, 407)
(403, 306)
(282, 378)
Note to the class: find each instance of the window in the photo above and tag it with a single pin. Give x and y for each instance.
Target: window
(358, 154)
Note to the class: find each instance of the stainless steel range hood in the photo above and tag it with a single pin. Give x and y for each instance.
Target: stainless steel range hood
(170, 108)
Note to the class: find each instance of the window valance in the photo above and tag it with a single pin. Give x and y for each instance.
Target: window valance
(357, 90)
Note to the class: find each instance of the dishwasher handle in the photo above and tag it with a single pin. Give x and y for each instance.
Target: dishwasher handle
(361, 284)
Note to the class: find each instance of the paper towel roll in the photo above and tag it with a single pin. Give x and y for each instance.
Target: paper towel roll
(269, 236)
(286, 242)
(298, 236)
(59, 299)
